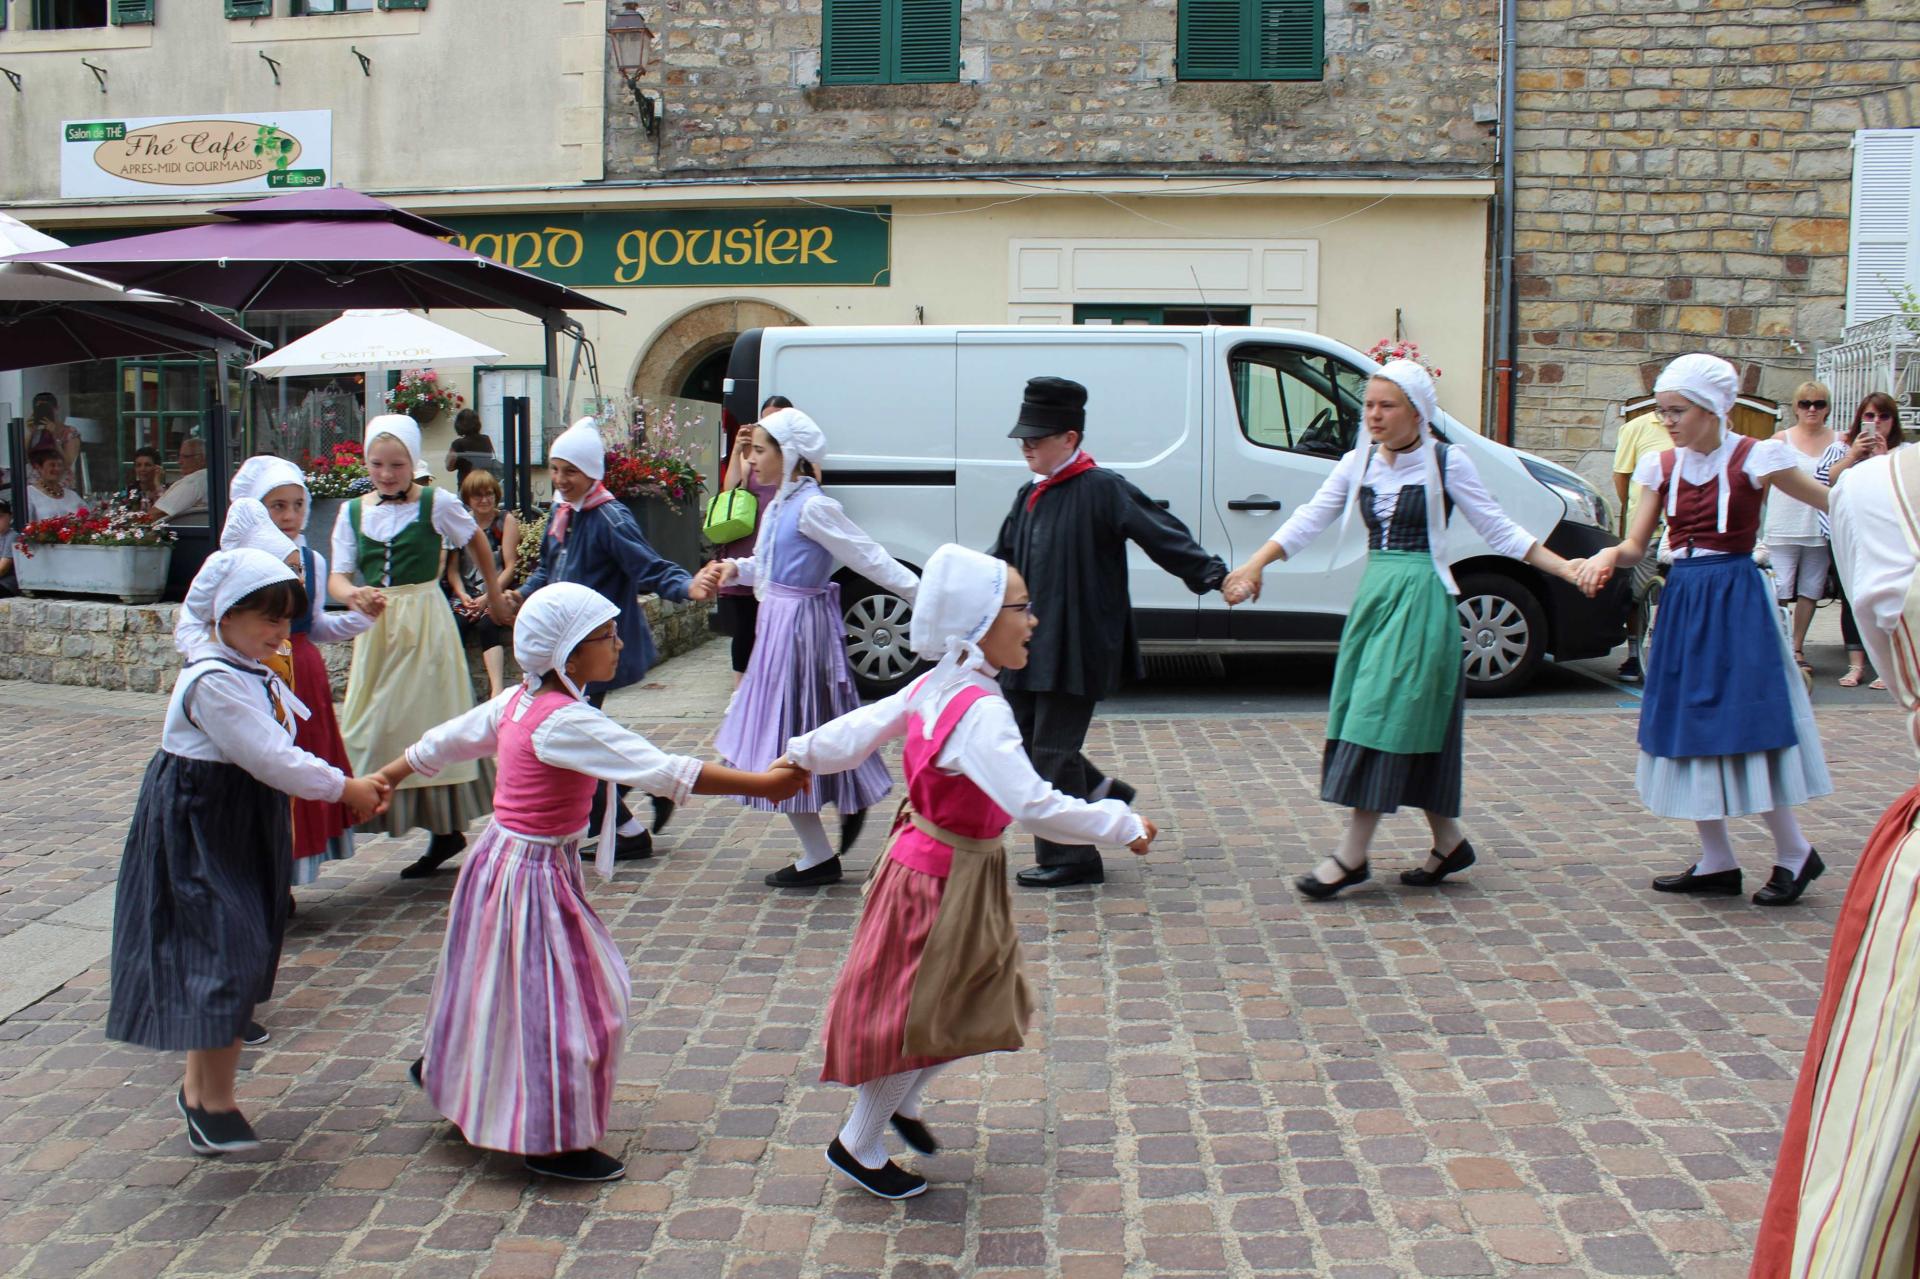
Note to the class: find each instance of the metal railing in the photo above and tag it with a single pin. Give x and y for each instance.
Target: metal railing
(1878, 355)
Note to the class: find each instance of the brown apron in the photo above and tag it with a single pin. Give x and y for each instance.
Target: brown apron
(970, 992)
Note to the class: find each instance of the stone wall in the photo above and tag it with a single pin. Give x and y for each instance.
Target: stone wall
(1080, 85)
(127, 647)
(1684, 176)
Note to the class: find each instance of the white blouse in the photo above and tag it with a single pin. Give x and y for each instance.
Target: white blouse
(1388, 473)
(984, 747)
(826, 522)
(384, 522)
(330, 628)
(576, 737)
(42, 507)
(232, 723)
(1789, 520)
(1871, 551)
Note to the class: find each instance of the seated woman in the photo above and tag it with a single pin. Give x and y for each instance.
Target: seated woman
(480, 492)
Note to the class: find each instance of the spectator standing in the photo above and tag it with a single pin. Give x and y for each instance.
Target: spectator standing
(47, 427)
(1874, 433)
(1795, 543)
(471, 449)
(1638, 437)
(481, 494)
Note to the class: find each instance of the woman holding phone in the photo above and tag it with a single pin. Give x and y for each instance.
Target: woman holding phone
(1875, 430)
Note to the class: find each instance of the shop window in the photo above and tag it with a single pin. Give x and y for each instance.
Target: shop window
(1251, 39)
(889, 41)
(1093, 313)
(1301, 401)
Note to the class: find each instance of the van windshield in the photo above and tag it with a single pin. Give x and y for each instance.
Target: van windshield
(1298, 400)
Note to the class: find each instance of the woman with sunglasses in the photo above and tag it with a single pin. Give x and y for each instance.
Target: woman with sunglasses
(1875, 430)
(1795, 542)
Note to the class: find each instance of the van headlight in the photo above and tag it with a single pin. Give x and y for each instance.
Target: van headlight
(1584, 503)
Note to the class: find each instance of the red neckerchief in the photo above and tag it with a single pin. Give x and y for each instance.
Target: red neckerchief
(1079, 464)
(596, 496)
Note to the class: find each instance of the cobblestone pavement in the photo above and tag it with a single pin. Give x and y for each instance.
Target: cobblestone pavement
(1543, 1070)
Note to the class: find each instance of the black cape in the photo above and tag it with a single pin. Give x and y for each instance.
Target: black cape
(1072, 549)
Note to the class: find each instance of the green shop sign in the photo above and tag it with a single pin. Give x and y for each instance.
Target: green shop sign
(689, 247)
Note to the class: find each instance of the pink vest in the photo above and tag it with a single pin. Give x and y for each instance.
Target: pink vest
(529, 797)
(951, 803)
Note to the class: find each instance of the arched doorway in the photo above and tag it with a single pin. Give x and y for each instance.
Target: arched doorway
(692, 351)
(705, 379)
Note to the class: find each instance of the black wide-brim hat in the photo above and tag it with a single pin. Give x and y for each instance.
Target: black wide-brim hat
(1050, 406)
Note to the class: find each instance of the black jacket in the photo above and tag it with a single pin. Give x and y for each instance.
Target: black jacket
(1072, 549)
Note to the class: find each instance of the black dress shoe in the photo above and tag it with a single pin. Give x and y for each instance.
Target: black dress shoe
(215, 1132)
(827, 872)
(1452, 864)
(254, 1035)
(633, 848)
(1117, 789)
(1313, 887)
(1062, 876)
(915, 1134)
(1721, 883)
(578, 1165)
(1783, 888)
(888, 1181)
(662, 813)
(851, 824)
(440, 850)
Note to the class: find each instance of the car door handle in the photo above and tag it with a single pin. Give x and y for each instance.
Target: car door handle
(1253, 503)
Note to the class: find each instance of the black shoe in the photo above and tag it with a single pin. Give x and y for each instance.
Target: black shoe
(1062, 876)
(662, 813)
(215, 1133)
(915, 1134)
(1630, 672)
(632, 848)
(578, 1165)
(851, 824)
(1454, 862)
(254, 1035)
(1117, 789)
(1722, 883)
(827, 872)
(1314, 888)
(1784, 888)
(417, 1073)
(440, 850)
(888, 1181)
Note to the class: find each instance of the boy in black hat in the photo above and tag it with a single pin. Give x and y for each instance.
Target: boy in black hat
(1068, 534)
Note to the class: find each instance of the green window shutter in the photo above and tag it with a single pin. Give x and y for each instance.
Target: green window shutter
(249, 8)
(852, 42)
(130, 13)
(1287, 38)
(403, 4)
(3, 15)
(1213, 40)
(927, 41)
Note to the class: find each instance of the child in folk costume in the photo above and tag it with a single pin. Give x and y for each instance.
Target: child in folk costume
(409, 670)
(797, 678)
(321, 832)
(935, 973)
(1726, 728)
(1844, 1203)
(201, 905)
(1399, 687)
(529, 1008)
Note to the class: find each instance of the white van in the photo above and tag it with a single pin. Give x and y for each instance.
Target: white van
(1230, 429)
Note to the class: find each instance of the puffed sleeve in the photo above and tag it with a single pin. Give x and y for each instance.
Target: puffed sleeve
(823, 520)
(985, 748)
(474, 735)
(843, 743)
(345, 547)
(452, 520)
(584, 740)
(1769, 457)
(1311, 520)
(230, 708)
(331, 628)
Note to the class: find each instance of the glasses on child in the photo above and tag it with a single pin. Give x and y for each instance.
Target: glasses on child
(1025, 606)
(1813, 404)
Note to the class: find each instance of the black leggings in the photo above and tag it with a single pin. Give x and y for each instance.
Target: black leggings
(1849, 629)
(737, 616)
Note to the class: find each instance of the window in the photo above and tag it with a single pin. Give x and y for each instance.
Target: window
(1098, 313)
(1250, 39)
(1883, 257)
(889, 41)
(332, 6)
(68, 15)
(1302, 401)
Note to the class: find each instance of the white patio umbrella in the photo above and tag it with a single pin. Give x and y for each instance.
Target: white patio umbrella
(376, 342)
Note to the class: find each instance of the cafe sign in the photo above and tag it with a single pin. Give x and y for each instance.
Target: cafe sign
(688, 248)
(196, 155)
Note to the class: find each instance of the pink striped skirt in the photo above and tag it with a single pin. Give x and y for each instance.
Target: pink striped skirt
(529, 1009)
(867, 1018)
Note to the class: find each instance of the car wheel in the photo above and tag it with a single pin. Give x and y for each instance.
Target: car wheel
(876, 623)
(1503, 634)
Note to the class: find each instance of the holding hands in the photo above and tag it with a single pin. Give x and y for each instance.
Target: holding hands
(1140, 846)
(367, 599)
(1241, 586)
(367, 796)
(1591, 574)
(783, 781)
(710, 579)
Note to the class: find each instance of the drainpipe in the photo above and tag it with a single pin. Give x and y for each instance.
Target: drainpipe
(1504, 338)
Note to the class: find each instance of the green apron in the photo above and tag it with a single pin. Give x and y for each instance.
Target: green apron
(413, 555)
(1400, 666)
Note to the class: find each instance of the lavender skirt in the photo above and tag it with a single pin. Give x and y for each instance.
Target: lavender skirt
(797, 681)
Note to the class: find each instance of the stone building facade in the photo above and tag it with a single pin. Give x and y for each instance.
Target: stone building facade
(1684, 180)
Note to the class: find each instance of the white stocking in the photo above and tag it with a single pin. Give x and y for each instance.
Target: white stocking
(1447, 836)
(874, 1103)
(1716, 849)
(1790, 847)
(1352, 853)
(909, 1107)
(815, 847)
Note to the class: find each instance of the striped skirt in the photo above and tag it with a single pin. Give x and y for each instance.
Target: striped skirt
(322, 832)
(529, 1008)
(1844, 1201)
(867, 1017)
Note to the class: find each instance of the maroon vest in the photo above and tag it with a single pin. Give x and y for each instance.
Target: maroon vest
(1695, 521)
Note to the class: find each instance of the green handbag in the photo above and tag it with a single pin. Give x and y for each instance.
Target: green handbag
(730, 516)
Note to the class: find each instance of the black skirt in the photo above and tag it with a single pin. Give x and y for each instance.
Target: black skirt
(1377, 781)
(201, 908)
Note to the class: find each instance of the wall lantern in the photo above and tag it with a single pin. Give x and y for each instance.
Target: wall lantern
(632, 43)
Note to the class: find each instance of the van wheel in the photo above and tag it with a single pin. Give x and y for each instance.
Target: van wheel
(1503, 634)
(876, 624)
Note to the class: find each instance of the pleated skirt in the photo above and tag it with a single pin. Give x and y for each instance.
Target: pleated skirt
(867, 1014)
(529, 1008)
(200, 909)
(322, 832)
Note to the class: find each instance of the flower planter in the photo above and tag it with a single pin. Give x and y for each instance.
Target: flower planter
(321, 514)
(132, 574)
(674, 534)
